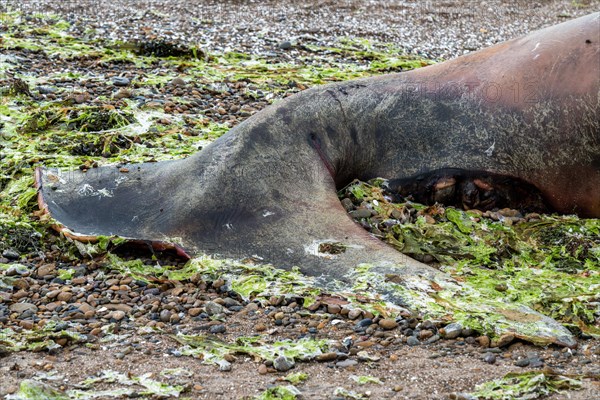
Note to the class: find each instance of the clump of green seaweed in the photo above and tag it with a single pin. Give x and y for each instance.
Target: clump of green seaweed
(547, 262)
(526, 386)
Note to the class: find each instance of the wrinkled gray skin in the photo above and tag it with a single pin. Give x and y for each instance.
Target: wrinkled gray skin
(527, 108)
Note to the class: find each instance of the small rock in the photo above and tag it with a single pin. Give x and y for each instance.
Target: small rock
(260, 327)
(220, 328)
(64, 296)
(177, 82)
(346, 363)
(282, 363)
(193, 312)
(263, 369)
(11, 254)
(325, 357)
(123, 94)
(489, 358)
(22, 307)
(117, 315)
(361, 213)
(165, 315)
(451, 331)
(285, 45)
(354, 313)
(433, 339)
(388, 323)
(364, 322)
(523, 362)
(364, 356)
(412, 341)
(46, 90)
(120, 81)
(333, 309)
(483, 341)
(224, 366)
(46, 269)
(213, 308)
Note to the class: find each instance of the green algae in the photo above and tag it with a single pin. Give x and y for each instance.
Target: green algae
(288, 392)
(341, 392)
(296, 377)
(366, 379)
(142, 386)
(526, 386)
(39, 339)
(212, 350)
(505, 273)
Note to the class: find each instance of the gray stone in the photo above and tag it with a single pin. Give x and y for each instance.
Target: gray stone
(22, 307)
(213, 308)
(120, 81)
(452, 331)
(282, 363)
(412, 341)
(346, 363)
(11, 254)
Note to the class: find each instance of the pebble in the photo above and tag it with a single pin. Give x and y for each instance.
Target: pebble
(285, 45)
(11, 254)
(388, 323)
(346, 363)
(217, 329)
(412, 341)
(523, 362)
(22, 307)
(165, 315)
(224, 366)
(325, 357)
(364, 356)
(489, 358)
(451, 331)
(354, 313)
(116, 315)
(282, 363)
(177, 82)
(120, 81)
(213, 308)
(193, 312)
(45, 270)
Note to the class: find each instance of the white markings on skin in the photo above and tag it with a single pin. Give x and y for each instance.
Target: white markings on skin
(86, 190)
(490, 150)
(267, 213)
(228, 226)
(536, 47)
(104, 192)
(536, 56)
(121, 179)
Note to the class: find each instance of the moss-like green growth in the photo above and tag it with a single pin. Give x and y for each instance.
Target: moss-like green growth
(527, 385)
(39, 339)
(279, 393)
(548, 263)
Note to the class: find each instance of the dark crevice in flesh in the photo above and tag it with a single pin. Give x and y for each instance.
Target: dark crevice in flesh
(470, 190)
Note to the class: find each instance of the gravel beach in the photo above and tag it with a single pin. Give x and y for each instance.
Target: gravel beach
(97, 316)
(434, 29)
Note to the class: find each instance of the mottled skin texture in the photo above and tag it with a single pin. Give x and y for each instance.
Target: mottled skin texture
(526, 109)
